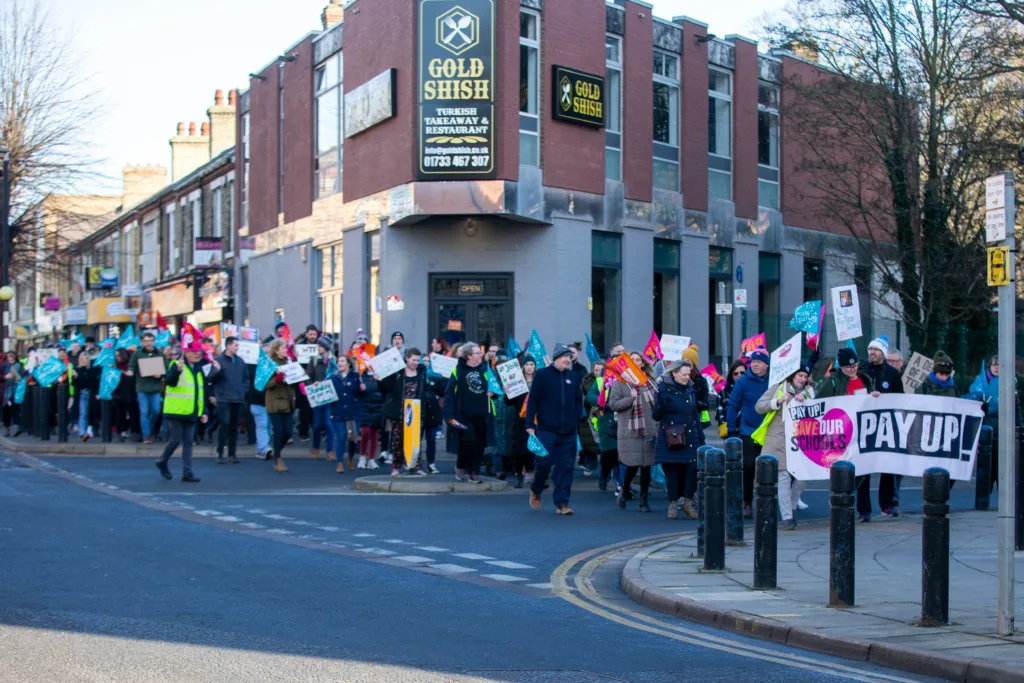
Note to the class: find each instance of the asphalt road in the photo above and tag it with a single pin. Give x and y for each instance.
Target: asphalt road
(110, 573)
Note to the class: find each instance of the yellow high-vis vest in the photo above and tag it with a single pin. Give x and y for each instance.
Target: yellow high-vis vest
(181, 399)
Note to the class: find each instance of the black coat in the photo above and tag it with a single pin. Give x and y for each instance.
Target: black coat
(885, 377)
(516, 427)
(372, 412)
(426, 392)
(677, 405)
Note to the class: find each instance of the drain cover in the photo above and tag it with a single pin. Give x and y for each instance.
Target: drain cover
(547, 675)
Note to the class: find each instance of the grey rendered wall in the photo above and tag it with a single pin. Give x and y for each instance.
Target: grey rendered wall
(693, 294)
(637, 287)
(282, 279)
(791, 279)
(551, 265)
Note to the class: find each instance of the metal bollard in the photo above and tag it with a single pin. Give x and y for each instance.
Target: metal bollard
(766, 522)
(734, 490)
(983, 472)
(841, 476)
(62, 413)
(45, 394)
(701, 456)
(250, 425)
(714, 509)
(26, 419)
(39, 412)
(105, 415)
(935, 547)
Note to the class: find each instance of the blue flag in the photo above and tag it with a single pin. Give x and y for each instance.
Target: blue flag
(127, 339)
(536, 447)
(162, 340)
(806, 317)
(536, 349)
(493, 385)
(109, 380)
(105, 357)
(48, 372)
(592, 355)
(514, 349)
(265, 369)
(19, 391)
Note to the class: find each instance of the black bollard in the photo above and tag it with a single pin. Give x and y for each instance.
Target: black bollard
(62, 413)
(841, 476)
(701, 455)
(250, 426)
(766, 522)
(44, 412)
(105, 415)
(935, 547)
(714, 509)
(26, 419)
(39, 412)
(734, 491)
(983, 472)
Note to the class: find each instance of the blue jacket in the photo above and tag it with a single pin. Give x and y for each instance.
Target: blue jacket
(556, 401)
(741, 417)
(348, 406)
(677, 405)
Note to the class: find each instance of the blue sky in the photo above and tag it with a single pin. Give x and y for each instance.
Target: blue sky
(156, 63)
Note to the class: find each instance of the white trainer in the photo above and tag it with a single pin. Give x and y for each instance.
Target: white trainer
(361, 465)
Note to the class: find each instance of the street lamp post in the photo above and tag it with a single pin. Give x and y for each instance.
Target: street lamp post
(5, 240)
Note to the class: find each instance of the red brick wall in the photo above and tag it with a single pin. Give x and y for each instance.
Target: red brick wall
(506, 90)
(799, 198)
(298, 133)
(573, 155)
(381, 36)
(694, 108)
(637, 103)
(744, 106)
(263, 152)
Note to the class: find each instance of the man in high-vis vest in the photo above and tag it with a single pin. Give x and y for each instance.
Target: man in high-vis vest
(183, 408)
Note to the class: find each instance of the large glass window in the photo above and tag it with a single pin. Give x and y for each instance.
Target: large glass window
(719, 134)
(613, 107)
(373, 322)
(529, 88)
(245, 170)
(666, 287)
(327, 88)
(720, 275)
(606, 289)
(218, 213)
(767, 146)
(329, 262)
(812, 279)
(666, 121)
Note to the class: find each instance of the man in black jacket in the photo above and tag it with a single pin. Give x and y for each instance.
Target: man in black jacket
(887, 380)
(230, 380)
(553, 411)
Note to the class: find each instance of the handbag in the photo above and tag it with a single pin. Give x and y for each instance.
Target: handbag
(675, 437)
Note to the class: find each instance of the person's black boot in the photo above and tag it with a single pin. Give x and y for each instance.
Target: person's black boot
(164, 471)
(602, 483)
(190, 478)
(644, 507)
(622, 499)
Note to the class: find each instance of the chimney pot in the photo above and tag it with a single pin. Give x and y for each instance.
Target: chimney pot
(218, 97)
(205, 130)
(181, 127)
(232, 97)
(192, 128)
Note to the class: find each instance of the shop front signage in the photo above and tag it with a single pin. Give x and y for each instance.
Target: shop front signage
(105, 311)
(579, 97)
(98, 277)
(214, 295)
(76, 315)
(207, 252)
(456, 95)
(371, 103)
(176, 299)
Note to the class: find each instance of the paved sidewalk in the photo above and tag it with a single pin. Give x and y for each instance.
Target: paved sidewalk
(881, 627)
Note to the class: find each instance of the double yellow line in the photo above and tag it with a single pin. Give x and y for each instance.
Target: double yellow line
(574, 586)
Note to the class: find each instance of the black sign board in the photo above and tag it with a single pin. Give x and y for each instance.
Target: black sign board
(579, 97)
(456, 90)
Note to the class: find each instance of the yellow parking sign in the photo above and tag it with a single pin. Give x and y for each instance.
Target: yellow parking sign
(999, 266)
(411, 431)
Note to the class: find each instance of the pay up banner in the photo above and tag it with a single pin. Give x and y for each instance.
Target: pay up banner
(895, 433)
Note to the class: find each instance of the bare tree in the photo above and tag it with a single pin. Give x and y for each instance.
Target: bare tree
(45, 111)
(915, 110)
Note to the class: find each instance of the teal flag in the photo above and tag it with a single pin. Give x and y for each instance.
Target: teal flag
(265, 369)
(19, 391)
(806, 317)
(536, 349)
(536, 447)
(48, 372)
(105, 357)
(592, 355)
(109, 380)
(493, 385)
(127, 340)
(162, 340)
(514, 349)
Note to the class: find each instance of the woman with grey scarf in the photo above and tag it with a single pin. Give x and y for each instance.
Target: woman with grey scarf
(634, 406)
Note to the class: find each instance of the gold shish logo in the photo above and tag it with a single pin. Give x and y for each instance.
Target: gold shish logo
(458, 30)
(566, 99)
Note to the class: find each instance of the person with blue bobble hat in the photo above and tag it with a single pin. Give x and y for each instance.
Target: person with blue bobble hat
(743, 418)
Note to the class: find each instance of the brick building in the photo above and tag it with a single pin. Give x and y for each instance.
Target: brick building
(484, 167)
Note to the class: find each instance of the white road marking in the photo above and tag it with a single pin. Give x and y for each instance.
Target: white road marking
(414, 559)
(503, 577)
(397, 541)
(299, 522)
(472, 556)
(431, 548)
(280, 532)
(208, 513)
(327, 528)
(451, 568)
(229, 518)
(542, 586)
(505, 564)
(377, 551)
(364, 535)
(253, 525)
(257, 511)
(279, 517)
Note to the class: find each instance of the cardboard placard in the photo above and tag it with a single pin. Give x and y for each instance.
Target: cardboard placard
(672, 346)
(293, 373)
(152, 367)
(249, 351)
(443, 365)
(512, 379)
(846, 311)
(321, 393)
(785, 360)
(387, 363)
(916, 372)
(305, 352)
(626, 370)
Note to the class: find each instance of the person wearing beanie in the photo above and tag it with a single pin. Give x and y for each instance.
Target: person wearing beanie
(940, 380)
(183, 408)
(700, 385)
(320, 368)
(397, 342)
(887, 380)
(743, 419)
(467, 408)
(515, 419)
(553, 411)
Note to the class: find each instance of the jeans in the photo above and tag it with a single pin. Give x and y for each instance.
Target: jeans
(680, 479)
(181, 432)
(230, 414)
(342, 445)
(889, 490)
(282, 424)
(150, 405)
(430, 435)
(559, 462)
(322, 420)
(262, 423)
(83, 410)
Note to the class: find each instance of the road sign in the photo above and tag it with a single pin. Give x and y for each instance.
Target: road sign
(998, 266)
(723, 309)
(995, 225)
(995, 192)
(739, 298)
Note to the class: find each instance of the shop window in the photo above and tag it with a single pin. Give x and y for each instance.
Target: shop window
(666, 287)
(529, 88)
(606, 289)
(613, 107)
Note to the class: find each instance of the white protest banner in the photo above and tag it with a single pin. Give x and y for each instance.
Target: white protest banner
(305, 352)
(916, 372)
(293, 373)
(785, 360)
(512, 379)
(43, 355)
(894, 433)
(228, 330)
(321, 393)
(672, 346)
(387, 363)
(846, 310)
(443, 365)
(249, 351)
